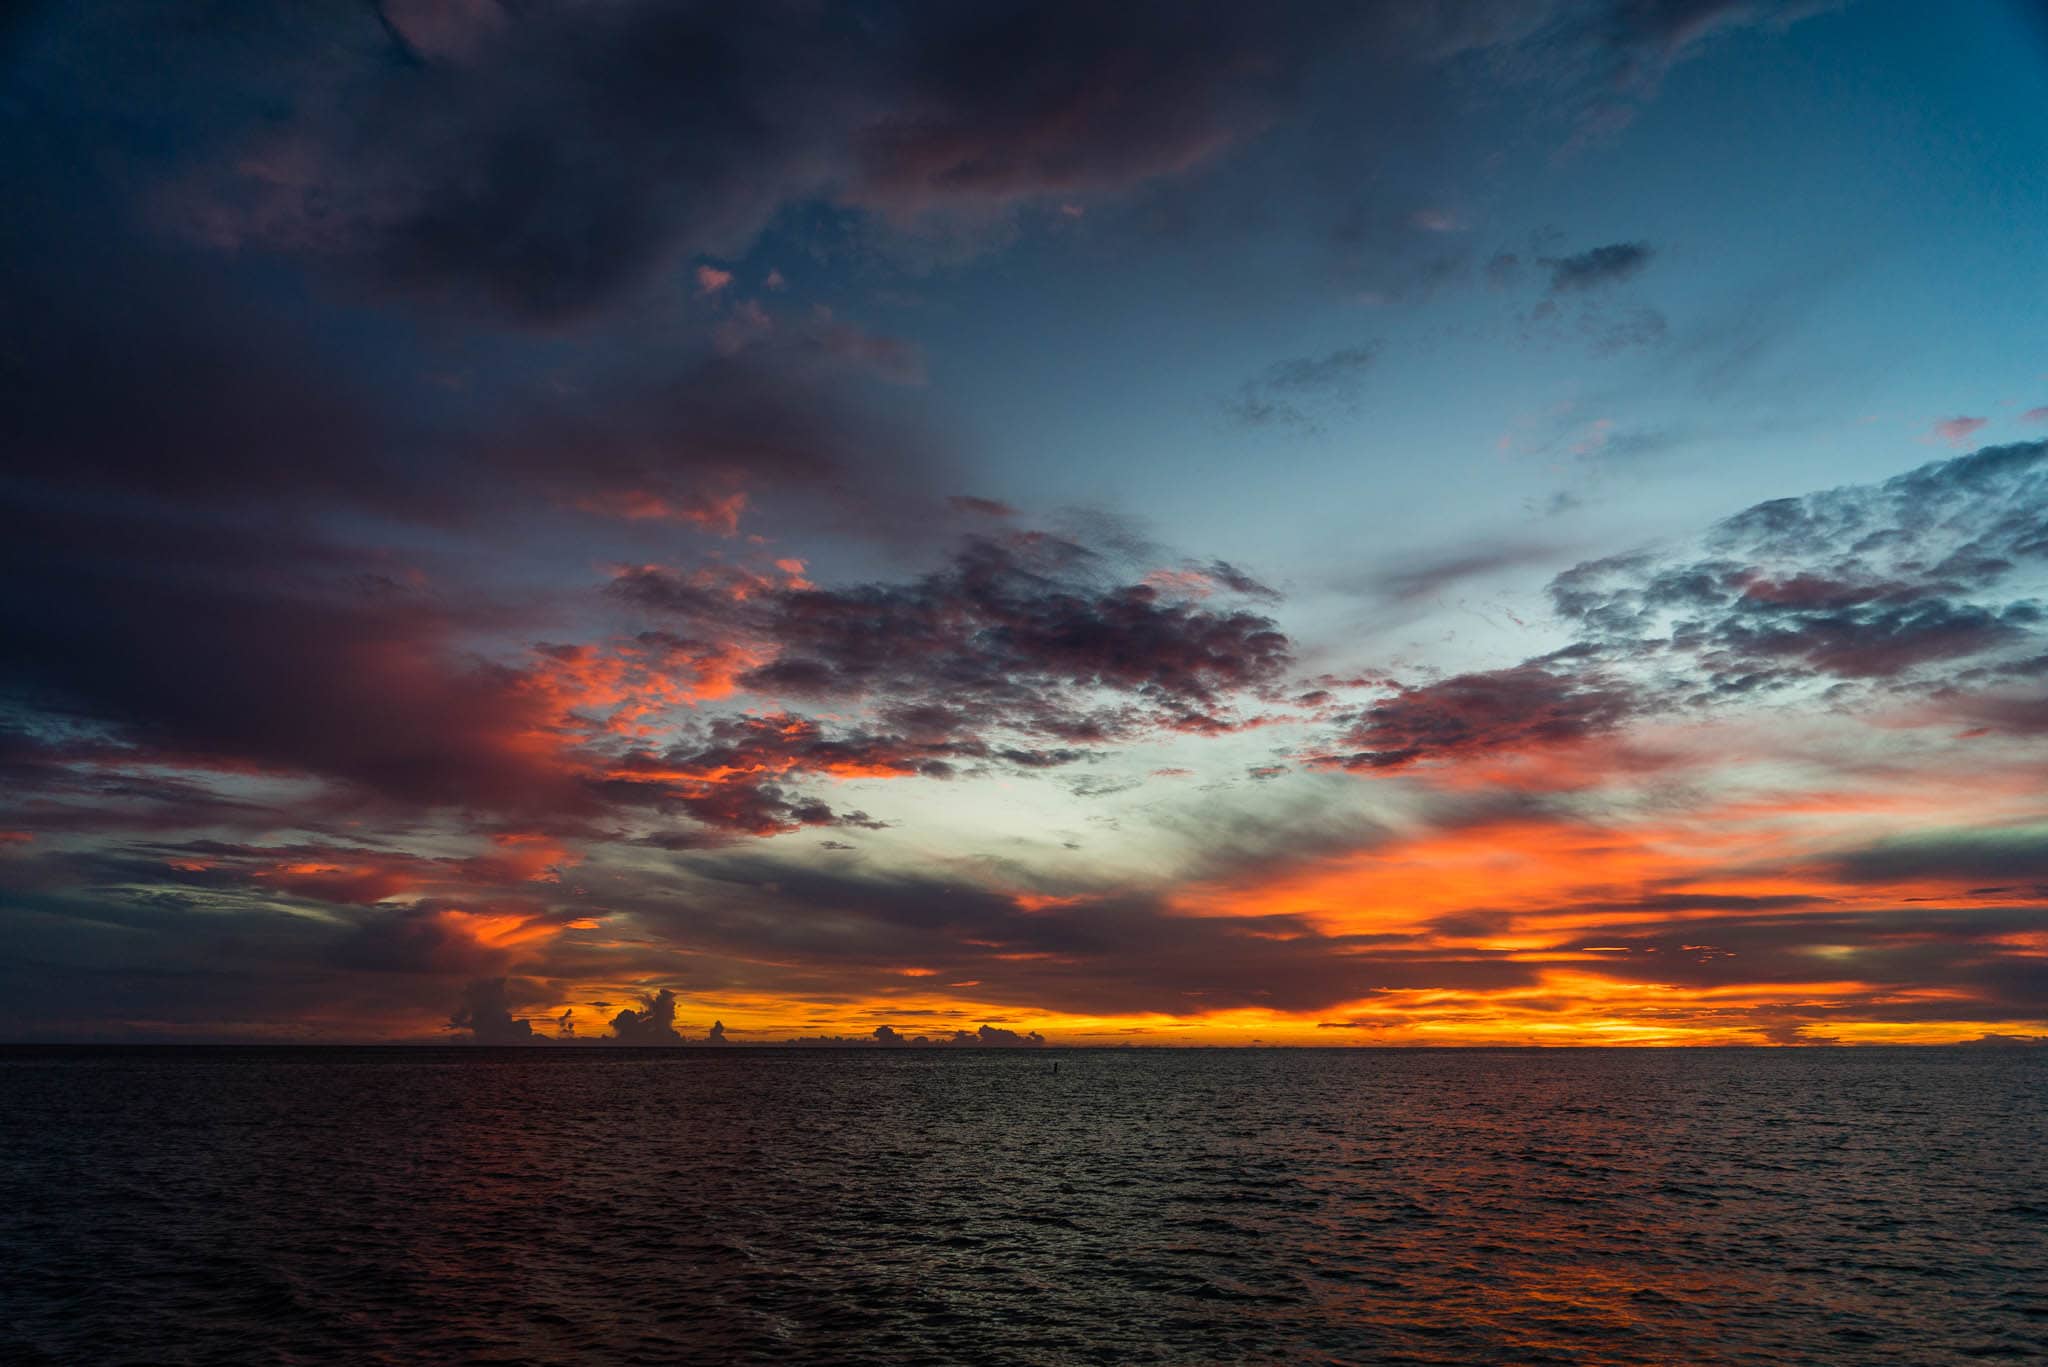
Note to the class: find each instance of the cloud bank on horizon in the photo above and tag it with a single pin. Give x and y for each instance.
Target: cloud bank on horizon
(986, 525)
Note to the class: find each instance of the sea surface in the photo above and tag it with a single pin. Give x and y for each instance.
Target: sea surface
(569, 1205)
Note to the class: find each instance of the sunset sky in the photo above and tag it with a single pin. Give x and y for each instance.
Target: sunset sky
(1171, 523)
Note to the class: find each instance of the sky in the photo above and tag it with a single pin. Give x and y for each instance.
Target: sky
(989, 524)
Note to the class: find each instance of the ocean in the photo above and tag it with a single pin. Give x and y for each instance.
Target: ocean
(587, 1205)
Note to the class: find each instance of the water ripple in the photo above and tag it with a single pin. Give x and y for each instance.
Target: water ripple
(478, 1206)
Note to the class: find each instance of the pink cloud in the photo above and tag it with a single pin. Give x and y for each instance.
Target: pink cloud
(2035, 414)
(713, 513)
(710, 279)
(1956, 431)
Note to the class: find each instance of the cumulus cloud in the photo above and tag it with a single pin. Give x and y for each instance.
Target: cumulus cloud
(486, 1013)
(654, 1022)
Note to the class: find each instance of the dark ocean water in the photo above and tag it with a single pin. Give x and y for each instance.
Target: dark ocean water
(600, 1206)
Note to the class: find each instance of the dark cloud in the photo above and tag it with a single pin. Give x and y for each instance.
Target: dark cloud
(544, 162)
(1963, 949)
(1028, 634)
(985, 507)
(1581, 304)
(1475, 715)
(847, 930)
(654, 1022)
(538, 162)
(2007, 861)
(1597, 266)
(999, 1037)
(230, 660)
(1295, 392)
(988, 1036)
(486, 1013)
(731, 774)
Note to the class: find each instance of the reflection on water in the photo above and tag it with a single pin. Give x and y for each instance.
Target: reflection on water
(899, 1207)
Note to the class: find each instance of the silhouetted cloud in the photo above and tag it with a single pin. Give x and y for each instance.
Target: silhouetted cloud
(653, 1023)
(487, 1014)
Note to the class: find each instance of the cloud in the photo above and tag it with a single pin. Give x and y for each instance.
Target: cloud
(1994, 859)
(1123, 951)
(984, 507)
(1581, 302)
(487, 1014)
(1956, 431)
(998, 1037)
(1873, 582)
(1027, 633)
(1413, 583)
(1472, 715)
(889, 1037)
(544, 165)
(1919, 587)
(1024, 652)
(223, 668)
(1293, 392)
(1598, 267)
(653, 1023)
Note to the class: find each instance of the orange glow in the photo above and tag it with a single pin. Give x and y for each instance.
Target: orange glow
(1032, 901)
(499, 930)
(712, 513)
